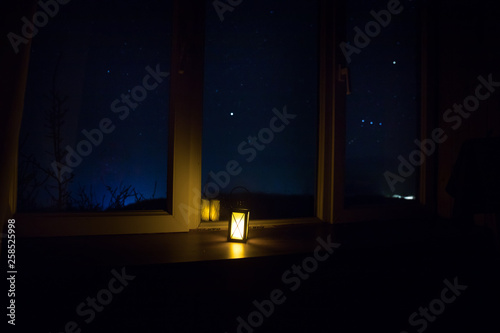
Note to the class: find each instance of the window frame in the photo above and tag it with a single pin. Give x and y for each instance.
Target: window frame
(185, 143)
(424, 206)
(332, 131)
(184, 155)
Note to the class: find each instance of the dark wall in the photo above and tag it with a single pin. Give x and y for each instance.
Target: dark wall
(468, 46)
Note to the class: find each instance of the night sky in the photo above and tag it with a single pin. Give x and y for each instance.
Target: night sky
(262, 56)
(382, 109)
(103, 50)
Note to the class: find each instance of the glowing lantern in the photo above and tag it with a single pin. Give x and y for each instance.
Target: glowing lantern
(205, 210)
(214, 210)
(238, 225)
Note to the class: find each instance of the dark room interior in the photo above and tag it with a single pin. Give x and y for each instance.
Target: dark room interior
(250, 166)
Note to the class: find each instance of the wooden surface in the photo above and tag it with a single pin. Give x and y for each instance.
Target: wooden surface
(212, 245)
(192, 282)
(169, 248)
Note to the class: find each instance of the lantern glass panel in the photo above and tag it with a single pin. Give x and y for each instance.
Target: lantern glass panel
(238, 227)
(205, 209)
(214, 210)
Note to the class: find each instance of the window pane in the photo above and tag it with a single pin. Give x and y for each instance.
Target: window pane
(94, 132)
(260, 107)
(383, 107)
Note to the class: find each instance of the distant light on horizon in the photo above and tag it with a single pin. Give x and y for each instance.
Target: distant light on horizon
(407, 197)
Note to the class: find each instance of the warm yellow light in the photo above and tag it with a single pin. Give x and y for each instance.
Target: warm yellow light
(238, 226)
(205, 210)
(237, 250)
(214, 210)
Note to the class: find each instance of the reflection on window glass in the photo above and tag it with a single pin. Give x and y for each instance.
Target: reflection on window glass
(260, 107)
(94, 131)
(382, 53)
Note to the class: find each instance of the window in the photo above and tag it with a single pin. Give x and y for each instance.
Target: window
(266, 75)
(381, 94)
(383, 107)
(260, 110)
(94, 133)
